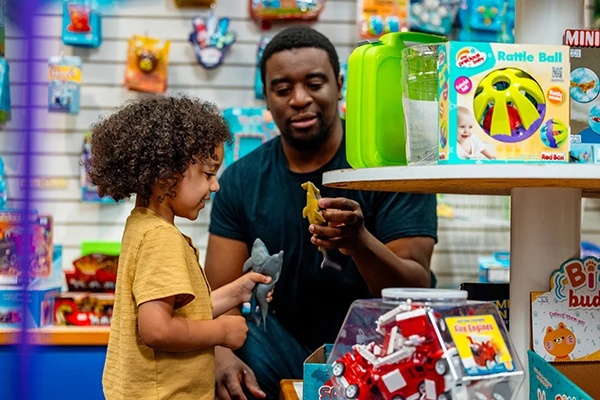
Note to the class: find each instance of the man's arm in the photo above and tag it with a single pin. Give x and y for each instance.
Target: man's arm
(400, 262)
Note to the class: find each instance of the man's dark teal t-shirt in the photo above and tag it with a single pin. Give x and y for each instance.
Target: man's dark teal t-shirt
(261, 198)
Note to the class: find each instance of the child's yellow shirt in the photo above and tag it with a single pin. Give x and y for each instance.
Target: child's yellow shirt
(156, 261)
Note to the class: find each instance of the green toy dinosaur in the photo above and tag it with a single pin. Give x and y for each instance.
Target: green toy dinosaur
(315, 217)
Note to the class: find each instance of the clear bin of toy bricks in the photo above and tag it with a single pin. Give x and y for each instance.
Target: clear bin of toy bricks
(424, 344)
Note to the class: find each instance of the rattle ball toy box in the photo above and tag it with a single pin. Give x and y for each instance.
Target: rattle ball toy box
(503, 103)
(584, 89)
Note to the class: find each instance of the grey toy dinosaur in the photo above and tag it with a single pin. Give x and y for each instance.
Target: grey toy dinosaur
(260, 261)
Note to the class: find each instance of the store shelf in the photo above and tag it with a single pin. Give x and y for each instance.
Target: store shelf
(484, 179)
(59, 336)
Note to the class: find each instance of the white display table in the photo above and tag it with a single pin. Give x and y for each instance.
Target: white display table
(545, 216)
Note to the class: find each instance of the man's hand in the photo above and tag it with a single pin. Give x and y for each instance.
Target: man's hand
(231, 374)
(345, 230)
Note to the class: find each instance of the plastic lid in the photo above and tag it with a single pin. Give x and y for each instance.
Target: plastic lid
(424, 294)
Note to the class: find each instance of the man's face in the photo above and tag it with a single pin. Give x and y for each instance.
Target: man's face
(302, 93)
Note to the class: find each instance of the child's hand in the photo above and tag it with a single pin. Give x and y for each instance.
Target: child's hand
(246, 284)
(234, 330)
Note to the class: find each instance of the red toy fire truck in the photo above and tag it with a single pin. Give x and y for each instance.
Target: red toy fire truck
(410, 364)
(484, 353)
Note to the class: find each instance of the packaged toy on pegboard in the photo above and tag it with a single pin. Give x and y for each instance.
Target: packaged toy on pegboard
(147, 62)
(89, 192)
(267, 11)
(584, 90)
(5, 106)
(64, 84)
(251, 127)
(487, 21)
(433, 16)
(3, 196)
(258, 85)
(81, 25)
(211, 39)
(424, 344)
(378, 17)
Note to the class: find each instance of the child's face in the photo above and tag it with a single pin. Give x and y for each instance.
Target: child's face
(465, 127)
(198, 182)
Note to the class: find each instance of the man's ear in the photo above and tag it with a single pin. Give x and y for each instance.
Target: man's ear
(340, 83)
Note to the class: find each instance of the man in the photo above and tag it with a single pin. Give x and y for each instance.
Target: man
(379, 239)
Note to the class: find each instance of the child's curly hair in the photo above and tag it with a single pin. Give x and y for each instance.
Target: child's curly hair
(153, 139)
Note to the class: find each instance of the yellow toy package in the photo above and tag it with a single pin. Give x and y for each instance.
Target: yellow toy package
(503, 103)
(147, 64)
(378, 17)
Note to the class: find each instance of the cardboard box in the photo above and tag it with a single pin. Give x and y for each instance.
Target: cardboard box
(584, 90)
(503, 103)
(547, 382)
(40, 303)
(317, 383)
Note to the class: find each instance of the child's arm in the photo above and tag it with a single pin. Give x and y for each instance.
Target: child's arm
(161, 330)
(487, 153)
(237, 292)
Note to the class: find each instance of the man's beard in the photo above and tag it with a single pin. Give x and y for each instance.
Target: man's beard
(308, 141)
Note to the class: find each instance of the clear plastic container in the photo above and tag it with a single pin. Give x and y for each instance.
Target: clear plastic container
(426, 344)
(420, 102)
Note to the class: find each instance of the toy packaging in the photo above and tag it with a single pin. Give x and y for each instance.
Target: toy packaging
(250, 127)
(147, 63)
(258, 85)
(64, 84)
(487, 21)
(375, 134)
(427, 344)
(342, 103)
(379, 17)
(12, 246)
(433, 16)
(40, 297)
(584, 89)
(194, 3)
(210, 39)
(268, 11)
(503, 103)
(89, 192)
(316, 381)
(93, 273)
(2, 26)
(5, 101)
(564, 320)
(84, 309)
(495, 269)
(496, 293)
(3, 196)
(81, 24)
(547, 383)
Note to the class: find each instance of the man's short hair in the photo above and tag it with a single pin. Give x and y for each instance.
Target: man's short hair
(299, 38)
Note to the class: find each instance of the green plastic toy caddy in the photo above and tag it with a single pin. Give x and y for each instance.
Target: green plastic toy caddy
(374, 115)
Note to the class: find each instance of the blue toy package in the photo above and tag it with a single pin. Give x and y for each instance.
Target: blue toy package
(89, 192)
(81, 24)
(342, 102)
(547, 383)
(211, 39)
(250, 127)
(258, 85)
(432, 16)
(64, 84)
(5, 107)
(487, 21)
(584, 92)
(3, 197)
(495, 269)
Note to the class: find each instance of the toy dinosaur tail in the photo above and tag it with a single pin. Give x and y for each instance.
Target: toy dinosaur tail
(328, 263)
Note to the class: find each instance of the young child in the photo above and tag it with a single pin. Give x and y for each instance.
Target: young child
(165, 150)
(470, 146)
